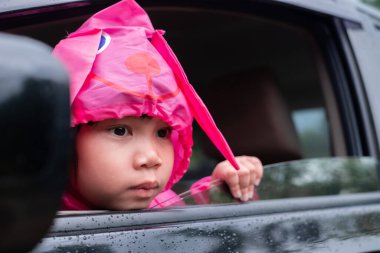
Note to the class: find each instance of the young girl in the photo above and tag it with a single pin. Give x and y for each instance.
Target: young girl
(133, 108)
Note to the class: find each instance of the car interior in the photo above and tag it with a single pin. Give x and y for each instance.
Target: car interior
(263, 78)
(264, 81)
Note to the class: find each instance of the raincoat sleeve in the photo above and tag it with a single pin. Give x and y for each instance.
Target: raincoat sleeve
(165, 199)
(170, 198)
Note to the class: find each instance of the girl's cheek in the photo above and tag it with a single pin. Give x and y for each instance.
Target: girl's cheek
(170, 162)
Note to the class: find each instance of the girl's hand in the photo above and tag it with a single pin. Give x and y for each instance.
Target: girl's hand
(241, 182)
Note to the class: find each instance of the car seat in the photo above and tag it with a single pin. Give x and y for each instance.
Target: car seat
(253, 116)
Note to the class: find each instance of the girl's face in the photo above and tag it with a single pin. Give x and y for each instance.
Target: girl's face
(123, 163)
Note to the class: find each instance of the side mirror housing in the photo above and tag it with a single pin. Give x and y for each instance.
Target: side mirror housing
(34, 140)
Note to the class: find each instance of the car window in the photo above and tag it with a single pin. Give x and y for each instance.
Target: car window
(305, 178)
(266, 78)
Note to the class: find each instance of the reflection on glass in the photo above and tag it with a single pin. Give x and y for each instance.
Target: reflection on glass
(215, 192)
(311, 177)
(315, 177)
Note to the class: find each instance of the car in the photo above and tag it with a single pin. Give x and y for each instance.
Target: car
(292, 82)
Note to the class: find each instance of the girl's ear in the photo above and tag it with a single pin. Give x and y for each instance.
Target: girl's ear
(78, 53)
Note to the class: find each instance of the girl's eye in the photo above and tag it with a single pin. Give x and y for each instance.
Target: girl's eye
(164, 132)
(120, 131)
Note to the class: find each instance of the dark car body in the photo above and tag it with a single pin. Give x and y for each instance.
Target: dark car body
(293, 82)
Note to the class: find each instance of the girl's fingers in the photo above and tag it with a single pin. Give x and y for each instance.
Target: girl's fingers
(232, 180)
(251, 190)
(244, 180)
(255, 170)
(225, 171)
(258, 169)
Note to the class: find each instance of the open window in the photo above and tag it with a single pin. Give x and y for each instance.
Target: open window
(265, 80)
(263, 71)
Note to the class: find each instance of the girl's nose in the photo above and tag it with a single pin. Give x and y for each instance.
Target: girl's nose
(147, 158)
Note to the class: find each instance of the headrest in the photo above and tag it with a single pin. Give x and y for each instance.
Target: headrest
(253, 116)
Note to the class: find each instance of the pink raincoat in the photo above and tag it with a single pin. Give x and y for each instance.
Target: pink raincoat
(121, 66)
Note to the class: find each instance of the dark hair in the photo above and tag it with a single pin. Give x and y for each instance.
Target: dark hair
(145, 116)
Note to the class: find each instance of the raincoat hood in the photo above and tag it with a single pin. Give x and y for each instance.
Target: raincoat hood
(121, 66)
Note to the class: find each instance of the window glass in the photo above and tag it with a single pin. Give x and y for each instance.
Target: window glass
(320, 176)
(309, 177)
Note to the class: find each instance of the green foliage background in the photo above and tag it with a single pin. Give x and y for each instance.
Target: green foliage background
(375, 3)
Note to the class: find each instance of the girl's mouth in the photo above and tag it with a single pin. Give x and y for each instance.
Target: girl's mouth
(145, 189)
